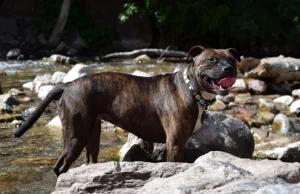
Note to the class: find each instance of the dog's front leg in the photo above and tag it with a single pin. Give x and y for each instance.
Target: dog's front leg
(175, 148)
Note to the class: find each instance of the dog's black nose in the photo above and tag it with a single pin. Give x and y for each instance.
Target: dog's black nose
(227, 69)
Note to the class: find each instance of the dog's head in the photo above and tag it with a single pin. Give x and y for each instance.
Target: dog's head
(214, 69)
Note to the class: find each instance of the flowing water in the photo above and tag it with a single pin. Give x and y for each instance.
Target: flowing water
(26, 163)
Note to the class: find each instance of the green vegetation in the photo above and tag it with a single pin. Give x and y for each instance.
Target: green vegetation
(250, 25)
(48, 10)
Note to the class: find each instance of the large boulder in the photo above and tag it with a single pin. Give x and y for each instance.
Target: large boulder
(215, 172)
(279, 69)
(218, 132)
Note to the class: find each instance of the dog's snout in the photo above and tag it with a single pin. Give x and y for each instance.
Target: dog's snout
(227, 69)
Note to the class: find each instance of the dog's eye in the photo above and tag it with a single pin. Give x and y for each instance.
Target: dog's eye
(212, 60)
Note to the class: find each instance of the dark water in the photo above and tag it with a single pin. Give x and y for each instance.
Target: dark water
(26, 163)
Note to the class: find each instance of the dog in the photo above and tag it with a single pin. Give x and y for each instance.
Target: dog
(161, 108)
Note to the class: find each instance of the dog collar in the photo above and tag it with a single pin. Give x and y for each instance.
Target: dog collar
(197, 95)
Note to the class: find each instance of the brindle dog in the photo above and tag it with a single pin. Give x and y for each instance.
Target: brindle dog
(158, 109)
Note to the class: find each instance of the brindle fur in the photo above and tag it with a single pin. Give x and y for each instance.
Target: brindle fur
(156, 109)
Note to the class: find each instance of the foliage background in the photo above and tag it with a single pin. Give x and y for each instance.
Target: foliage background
(255, 27)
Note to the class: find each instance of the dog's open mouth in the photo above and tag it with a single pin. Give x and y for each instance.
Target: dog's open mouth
(220, 84)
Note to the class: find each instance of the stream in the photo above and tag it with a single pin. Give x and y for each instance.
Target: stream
(26, 163)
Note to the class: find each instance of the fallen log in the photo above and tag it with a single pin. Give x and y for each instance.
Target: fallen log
(150, 52)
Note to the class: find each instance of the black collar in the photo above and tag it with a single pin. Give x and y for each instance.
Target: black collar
(197, 95)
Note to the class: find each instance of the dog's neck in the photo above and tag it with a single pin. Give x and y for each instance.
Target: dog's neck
(203, 98)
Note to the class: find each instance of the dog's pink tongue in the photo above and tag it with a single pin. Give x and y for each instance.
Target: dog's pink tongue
(227, 82)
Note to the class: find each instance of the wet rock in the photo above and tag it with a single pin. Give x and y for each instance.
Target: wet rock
(243, 98)
(77, 71)
(226, 99)
(285, 149)
(247, 64)
(257, 86)
(278, 69)
(61, 59)
(142, 59)
(240, 111)
(267, 116)
(281, 123)
(295, 106)
(13, 53)
(44, 90)
(16, 92)
(267, 105)
(9, 99)
(215, 172)
(217, 106)
(58, 77)
(285, 100)
(239, 86)
(296, 93)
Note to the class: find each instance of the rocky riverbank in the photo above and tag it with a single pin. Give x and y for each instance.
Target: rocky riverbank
(258, 120)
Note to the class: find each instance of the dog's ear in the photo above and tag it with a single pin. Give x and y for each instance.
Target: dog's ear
(235, 53)
(196, 50)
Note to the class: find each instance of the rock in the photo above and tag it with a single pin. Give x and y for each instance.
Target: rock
(226, 99)
(289, 172)
(55, 122)
(278, 88)
(217, 106)
(16, 92)
(137, 149)
(281, 123)
(296, 93)
(61, 59)
(46, 78)
(257, 86)
(239, 86)
(77, 71)
(215, 172)
(29, 85)
(281, 148)
(58, 77)
(247, 64)
(13, 53)
(285, 100)
(222, 133)
(44, 90)
(261, 132)
(142, 74)
(142, 59)
(278, 69)
(218, 132)
(25, 99)
(295, 124)
(267, 116)
(267, 105)
(9, 99)
(295, 106)
(4, 108)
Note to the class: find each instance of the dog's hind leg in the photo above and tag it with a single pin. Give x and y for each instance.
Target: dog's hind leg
(76, 133)
(93, 144)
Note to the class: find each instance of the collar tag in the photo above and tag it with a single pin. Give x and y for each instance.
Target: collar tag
(197, 95)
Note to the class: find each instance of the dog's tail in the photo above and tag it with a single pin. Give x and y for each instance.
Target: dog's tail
(53, 94)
